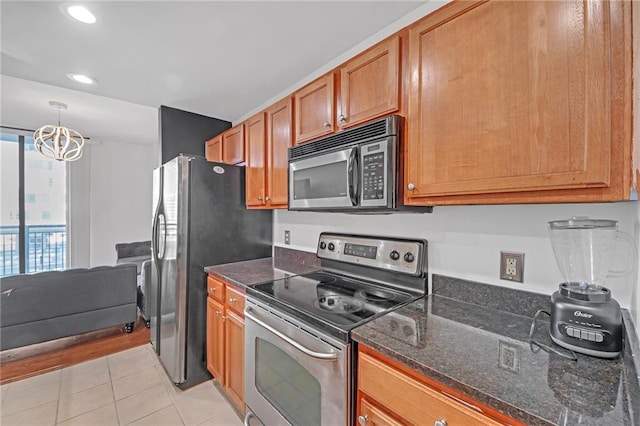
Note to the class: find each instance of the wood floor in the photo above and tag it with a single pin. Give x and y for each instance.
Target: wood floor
(16, 364)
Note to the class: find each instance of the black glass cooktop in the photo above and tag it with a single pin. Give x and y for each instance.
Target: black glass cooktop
(338, 301)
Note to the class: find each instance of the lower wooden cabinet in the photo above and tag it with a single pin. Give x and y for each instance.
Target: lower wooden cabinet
(225, 338)
(215, 338)
(389, 394)
(234, 358)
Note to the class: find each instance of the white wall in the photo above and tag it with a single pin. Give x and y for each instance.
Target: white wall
(465, 241)
(120, 197)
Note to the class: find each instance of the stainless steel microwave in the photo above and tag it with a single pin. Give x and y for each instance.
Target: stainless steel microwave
(354, 170)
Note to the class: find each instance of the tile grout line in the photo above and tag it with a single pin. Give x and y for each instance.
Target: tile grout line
(113, 391)
(55, 418)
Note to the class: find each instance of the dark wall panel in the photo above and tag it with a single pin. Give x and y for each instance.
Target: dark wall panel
(183, 132)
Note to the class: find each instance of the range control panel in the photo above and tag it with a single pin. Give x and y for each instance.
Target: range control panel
(406, 256)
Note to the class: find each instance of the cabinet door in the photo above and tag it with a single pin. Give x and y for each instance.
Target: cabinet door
(256, 161)
(279, 139)
(515, 97)
(314, 109)
(370, 415)
(233, 145)
(215, 339)
(370, 84)
(234, 365)
(213, 149)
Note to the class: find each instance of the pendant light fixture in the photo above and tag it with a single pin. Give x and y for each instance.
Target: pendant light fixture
(57, 142)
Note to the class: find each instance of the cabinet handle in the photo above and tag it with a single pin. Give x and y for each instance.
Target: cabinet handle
(441, 422)
(342, 118)
(212, 289)
(232, 300)
(268, 199)
(218, 313)
(326, 124)
(225, 318)
(411, 186)
(363, 420)
(259, 198)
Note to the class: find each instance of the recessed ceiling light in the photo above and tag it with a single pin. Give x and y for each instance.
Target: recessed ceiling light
(81, 14)
(81, 78)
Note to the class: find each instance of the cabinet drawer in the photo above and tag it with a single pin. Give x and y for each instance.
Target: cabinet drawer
(235, 300)
(215, 289)
(411, 399)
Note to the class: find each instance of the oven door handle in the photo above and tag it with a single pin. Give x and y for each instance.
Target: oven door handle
(307, 351)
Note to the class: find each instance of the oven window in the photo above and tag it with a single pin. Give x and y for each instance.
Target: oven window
(326, 181)
(287, 385)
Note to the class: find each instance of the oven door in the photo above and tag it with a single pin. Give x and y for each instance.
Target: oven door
(292, 376)
(324, 181)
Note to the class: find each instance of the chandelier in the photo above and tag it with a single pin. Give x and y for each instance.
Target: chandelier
(57, 142)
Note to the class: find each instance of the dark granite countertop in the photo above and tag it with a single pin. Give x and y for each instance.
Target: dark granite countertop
(460, 345)
(252, 272)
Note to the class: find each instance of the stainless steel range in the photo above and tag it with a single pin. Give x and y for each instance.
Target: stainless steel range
(298, 355)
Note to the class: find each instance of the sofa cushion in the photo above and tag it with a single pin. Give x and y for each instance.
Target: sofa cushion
(33, 297)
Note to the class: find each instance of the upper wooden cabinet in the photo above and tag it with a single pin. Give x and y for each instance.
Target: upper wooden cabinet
(369, 87)
(517, 102)
(233, 145)
(370, 84)
(314, 109)
(269, 135)
(279, 140)
(227, 147)
(256, 161)
(213, 149)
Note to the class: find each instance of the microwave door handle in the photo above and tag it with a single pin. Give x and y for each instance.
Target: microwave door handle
(351, 170)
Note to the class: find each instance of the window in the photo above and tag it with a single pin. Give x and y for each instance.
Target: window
(33, 208)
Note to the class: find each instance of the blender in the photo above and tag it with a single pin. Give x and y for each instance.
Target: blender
(584, 316)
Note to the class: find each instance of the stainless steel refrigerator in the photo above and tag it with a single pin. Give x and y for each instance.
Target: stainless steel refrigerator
(199, 219)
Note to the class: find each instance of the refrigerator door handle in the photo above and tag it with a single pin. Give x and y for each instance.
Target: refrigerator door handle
(161, 236)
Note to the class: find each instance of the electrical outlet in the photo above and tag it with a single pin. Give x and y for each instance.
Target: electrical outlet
(287, 237)
(512, 266)
(508, 356)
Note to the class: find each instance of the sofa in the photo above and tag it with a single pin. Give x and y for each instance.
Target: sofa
(44, 306)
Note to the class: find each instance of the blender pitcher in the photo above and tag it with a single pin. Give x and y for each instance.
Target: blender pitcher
(585, 249)
(584, 317)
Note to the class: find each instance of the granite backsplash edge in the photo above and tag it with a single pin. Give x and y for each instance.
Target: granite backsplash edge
(283, 255)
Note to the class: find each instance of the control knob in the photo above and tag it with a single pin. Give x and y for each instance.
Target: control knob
(331, 247)
(408, 257)
(323, 245)
(394, 255)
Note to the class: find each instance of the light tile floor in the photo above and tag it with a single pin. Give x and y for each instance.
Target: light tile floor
(126, 388)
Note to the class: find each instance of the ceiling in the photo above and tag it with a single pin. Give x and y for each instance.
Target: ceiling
(219, 59)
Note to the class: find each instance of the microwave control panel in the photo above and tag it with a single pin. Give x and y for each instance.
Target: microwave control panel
(374, 160)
